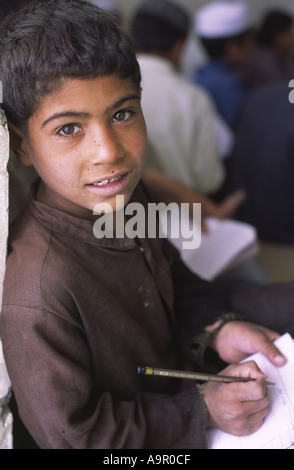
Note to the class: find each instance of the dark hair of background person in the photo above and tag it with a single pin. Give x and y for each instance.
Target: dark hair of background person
(157, 31)
(216, 47)
(6, 7)
(274, 23)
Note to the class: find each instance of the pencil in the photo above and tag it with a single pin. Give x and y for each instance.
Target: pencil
(193, 375)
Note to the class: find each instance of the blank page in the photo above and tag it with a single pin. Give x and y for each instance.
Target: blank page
(225, 244)
(277, 431)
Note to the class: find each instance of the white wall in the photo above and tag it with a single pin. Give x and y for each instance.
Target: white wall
(5, 415)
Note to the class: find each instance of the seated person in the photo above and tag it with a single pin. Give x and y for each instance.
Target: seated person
(225, 32)
(262, 163)
(80, 313)
(184, 145)
(180, 117)
(164, 189)
(273, 58)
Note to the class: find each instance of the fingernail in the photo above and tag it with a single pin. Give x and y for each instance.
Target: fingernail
(280, 360)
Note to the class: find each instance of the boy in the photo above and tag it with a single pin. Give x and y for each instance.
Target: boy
(81, 313)
(184, 144)
(226, 35)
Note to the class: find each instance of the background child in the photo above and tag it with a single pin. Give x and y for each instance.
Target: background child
(81, 313)
(225, 31)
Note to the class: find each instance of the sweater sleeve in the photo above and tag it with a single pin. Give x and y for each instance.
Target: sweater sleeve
(198, 304)
(49, 363)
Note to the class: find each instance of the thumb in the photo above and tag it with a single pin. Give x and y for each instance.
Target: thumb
(272, 353)
(249, 369)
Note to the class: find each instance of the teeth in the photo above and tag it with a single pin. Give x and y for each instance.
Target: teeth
(104, 182)
(113, 180)
(101, 183)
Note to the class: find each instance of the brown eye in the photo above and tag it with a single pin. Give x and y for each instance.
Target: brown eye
(120, 116)
(123, 115)
(69, 130)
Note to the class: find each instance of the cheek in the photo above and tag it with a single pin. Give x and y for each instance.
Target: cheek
(142, 150)
(52, 169)
(140, 143)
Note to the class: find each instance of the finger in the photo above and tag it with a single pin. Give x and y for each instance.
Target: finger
(253, 427)
(259, 415)
(247, 424)
(272, 353)
(252, 392)
(271, 334)
(255, 393)
(247, 370)
(254, 405)
(210, 209)
(246, 391)
(257, 419)
(253, 416)
(231, 203)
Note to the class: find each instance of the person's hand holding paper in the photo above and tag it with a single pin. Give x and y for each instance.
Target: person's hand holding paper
(277, 430)
(237, 340)
(240, 408)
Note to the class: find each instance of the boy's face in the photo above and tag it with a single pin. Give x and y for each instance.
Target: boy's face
(239, 53)
(87, 141)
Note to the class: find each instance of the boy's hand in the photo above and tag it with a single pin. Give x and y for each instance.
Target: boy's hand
(238, 408)
(237, 340)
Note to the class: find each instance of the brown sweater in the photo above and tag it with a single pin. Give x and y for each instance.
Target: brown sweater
(80, 314)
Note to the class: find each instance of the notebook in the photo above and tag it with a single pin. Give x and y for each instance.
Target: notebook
(226, 244)
(277, 432)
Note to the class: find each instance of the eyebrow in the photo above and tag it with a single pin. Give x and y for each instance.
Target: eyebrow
(74, 114)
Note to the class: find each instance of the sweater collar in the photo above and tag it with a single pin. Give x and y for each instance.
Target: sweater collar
(75, 227)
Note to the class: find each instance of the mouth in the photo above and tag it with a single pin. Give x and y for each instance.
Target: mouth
(108, 181)
(108, 186)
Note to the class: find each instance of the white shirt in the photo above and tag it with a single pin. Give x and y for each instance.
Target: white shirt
(181, 126)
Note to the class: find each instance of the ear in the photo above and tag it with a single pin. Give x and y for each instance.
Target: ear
(233, 53)
(176, 51)
(18, 143)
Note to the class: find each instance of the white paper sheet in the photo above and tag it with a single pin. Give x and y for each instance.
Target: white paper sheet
(226, 243)
(277, 432)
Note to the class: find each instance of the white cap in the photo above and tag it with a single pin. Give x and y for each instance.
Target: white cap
(222, 19)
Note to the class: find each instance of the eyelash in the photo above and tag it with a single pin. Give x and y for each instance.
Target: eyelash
(128, 113)
(60, 131)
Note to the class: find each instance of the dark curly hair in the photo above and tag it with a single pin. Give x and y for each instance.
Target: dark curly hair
(49, 40)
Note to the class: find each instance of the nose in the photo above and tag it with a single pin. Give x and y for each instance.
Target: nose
(106, 146)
